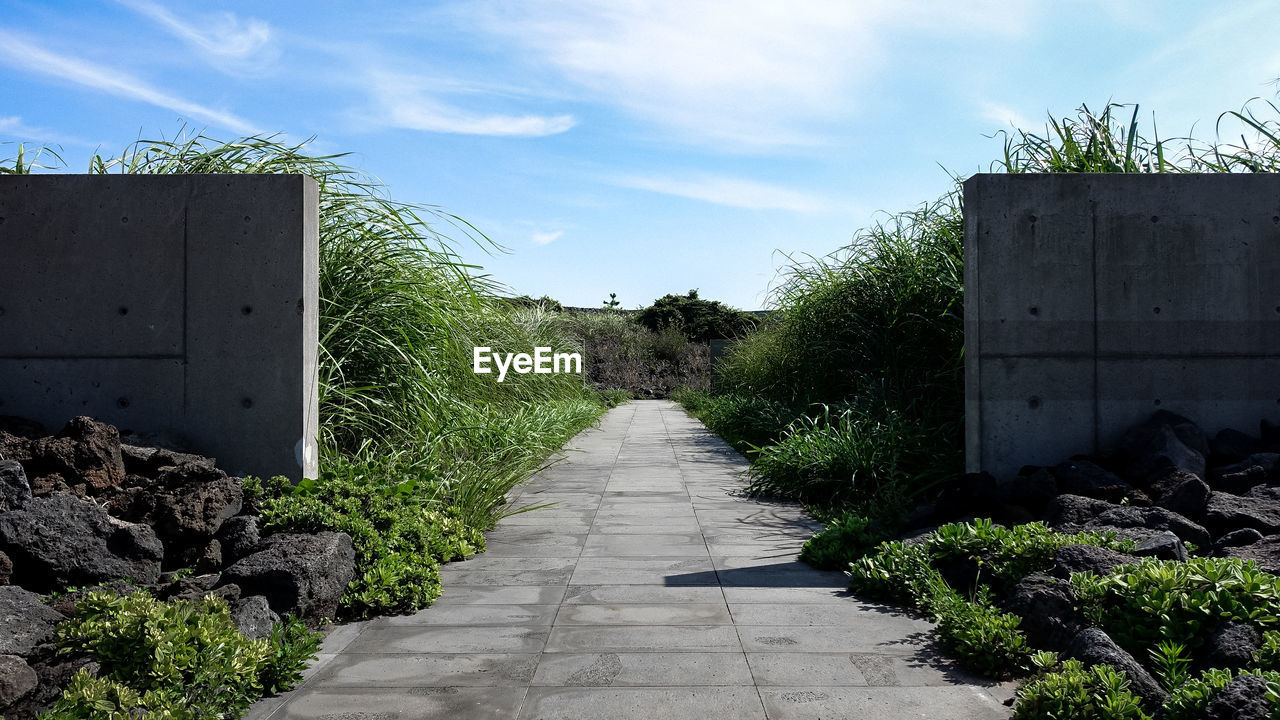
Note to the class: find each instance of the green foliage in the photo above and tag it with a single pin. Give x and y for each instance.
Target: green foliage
(399, 540)
(1009, 554)
(1267, 657)
(845, 539)
(982, 638)
(1143, 604)
(1187, 701)
(623, 354)
(1072, 691)
(850, 455)
(1171, 662)
(696, 319)
(744, 421)
(173, 659)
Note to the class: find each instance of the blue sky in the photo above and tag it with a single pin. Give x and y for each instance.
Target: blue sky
(629, 146)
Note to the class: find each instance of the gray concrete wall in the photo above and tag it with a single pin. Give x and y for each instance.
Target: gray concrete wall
(1093, 300)
(183, 305)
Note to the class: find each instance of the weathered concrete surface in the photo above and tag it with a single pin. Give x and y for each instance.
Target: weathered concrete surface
(184, 305)
(1092, 301)
(648, 591)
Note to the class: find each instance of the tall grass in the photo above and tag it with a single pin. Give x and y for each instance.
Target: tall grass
(400, 312)
(864, 353)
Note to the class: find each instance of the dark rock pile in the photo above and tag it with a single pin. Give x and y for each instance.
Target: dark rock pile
(81, 509)
(1166, 485)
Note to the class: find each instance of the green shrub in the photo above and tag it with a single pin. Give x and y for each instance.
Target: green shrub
(695, 319)
(983, 638)
(898, 572)
(849, 456)
(746, 422)
(1143, 604)
(173, 659)
(1267, 657)
(399, 540)
(1075, 692)
(1008, 554)
(845, 539)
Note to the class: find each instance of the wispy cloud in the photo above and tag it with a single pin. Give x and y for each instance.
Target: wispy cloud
(19, 53)
(222, 37)
(749, 74)
(1005, 116)
(542, 238)
(733, 192)
(404, 103)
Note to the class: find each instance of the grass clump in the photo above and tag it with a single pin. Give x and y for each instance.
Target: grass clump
(846, 538)
(176, 659)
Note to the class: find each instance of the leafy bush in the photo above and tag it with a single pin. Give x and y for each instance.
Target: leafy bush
(399, 541)
(846, 538)
(1072, 691)
(746, 422)
(697, 320)
(623, 354)
(1143, 604)
(1268, 656)
(174, 659)
(1010, 554)
(849, 457)
(982, 638)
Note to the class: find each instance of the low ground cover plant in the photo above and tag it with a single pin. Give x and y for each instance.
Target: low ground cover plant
(174, 659)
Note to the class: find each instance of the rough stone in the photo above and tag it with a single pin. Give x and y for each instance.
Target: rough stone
(1231, 646)
(151, 460)
(300, 574)
(1265, 552)
(239, 537)
(85, 451)
(1165, 546)
(1260, 510)
(1237, 538)
(1047, 608)
(17, 680)
(6, 569)
(1233, 446)
(15, 491)
(1180, 492)
(1072, 512)
(59, 540)
(1084, 478)
(254, 616)
(1092, 646)
(1243, 476)
(1244, 698)
(1165, 440)
(25, 621)
(1085, 558)
(191, 503)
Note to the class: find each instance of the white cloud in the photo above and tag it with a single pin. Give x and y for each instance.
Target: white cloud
(753, 73)
(1005, 116)
(19, 53)
(733, 192)
(542, 238)
(221, 36)
(406, 104)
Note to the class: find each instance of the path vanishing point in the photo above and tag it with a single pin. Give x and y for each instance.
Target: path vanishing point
(649, 590)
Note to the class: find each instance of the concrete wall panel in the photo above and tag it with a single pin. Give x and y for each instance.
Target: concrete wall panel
(1159, 291)
(183, 304)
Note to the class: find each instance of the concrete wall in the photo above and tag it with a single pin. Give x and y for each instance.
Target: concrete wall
(183, 305)
(1093, 300)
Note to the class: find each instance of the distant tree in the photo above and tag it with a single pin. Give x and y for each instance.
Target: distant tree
(544, 302)
(699, 320)
(612, 303)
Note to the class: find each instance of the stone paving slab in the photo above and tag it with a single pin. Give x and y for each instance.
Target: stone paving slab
(648, 588)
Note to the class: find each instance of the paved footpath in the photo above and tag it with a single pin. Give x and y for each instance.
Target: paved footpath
(649, 590)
